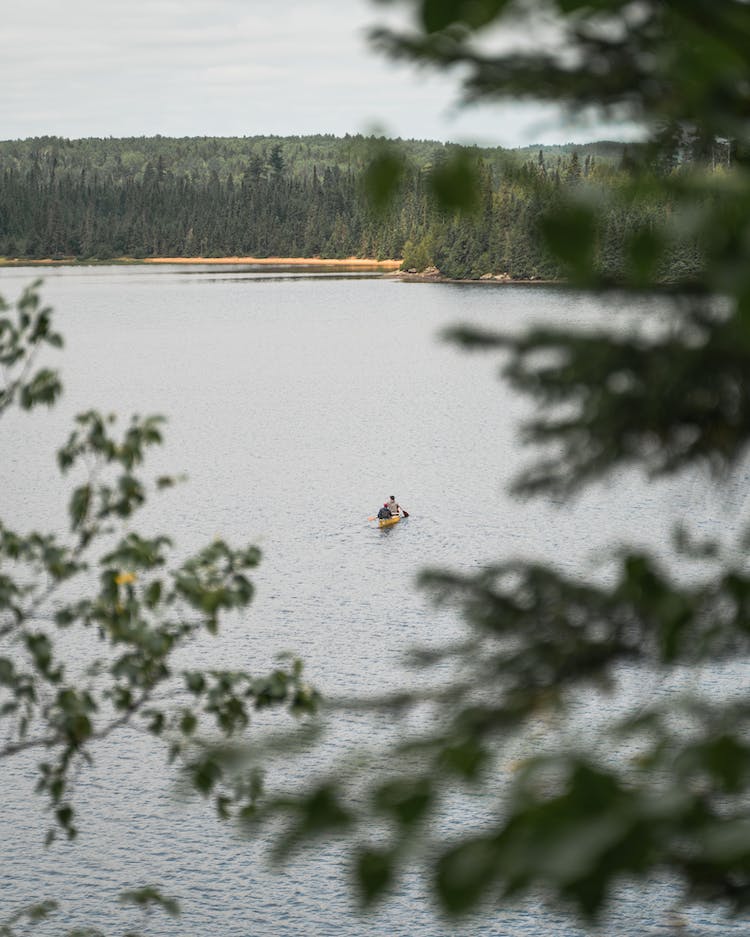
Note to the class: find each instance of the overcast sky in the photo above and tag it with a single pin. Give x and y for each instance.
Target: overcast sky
(81, 68)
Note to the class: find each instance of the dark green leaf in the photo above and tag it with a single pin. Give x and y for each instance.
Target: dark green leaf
(374, 871)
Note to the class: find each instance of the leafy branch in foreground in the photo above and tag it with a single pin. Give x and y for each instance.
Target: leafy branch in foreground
(660, 394)
(21, 338)
(146, 899)
(31, 914)
(90, 623)
(570, 803)
(609, 55)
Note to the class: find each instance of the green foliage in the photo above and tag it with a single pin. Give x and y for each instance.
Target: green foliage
(32, 914)
(383, 176)
(146, 899)
(21, 338)
(455, 182)
(441, 14)
(671, 399)
(374, 874)
(310, 196)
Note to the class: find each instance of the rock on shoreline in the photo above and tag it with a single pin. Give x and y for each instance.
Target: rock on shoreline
(433, 275)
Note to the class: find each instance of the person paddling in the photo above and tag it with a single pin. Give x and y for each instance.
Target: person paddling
(395, 509)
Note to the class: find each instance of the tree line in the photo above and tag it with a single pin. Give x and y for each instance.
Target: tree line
(307, 196)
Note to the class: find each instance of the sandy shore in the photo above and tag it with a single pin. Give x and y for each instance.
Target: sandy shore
(391, 268)
(270, 261)
(280, 261)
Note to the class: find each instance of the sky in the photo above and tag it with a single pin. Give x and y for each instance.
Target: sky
(97, 68)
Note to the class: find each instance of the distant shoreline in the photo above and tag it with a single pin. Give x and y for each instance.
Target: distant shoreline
(392, 268)
(268, 261)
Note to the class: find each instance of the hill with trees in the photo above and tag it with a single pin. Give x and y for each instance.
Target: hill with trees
(101, 199)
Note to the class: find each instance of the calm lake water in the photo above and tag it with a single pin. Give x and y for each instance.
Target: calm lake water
(296, 405)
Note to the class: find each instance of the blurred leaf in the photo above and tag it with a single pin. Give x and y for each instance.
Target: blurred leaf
(465, 758)
(455, 183)
(374, 873)
(440, 14)
(383, 177)
(148, 898)
(571, 236)
(644, 251)
(205, 773)
(405, 799)
(465, 873)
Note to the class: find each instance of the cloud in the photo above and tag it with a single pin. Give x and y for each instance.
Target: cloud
(220, 67)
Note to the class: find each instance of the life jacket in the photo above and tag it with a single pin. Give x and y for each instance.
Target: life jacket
(384, 512)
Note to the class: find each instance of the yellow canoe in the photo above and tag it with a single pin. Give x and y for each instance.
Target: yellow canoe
(388, 521)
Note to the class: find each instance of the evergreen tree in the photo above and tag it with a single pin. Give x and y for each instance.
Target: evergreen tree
(104, 199)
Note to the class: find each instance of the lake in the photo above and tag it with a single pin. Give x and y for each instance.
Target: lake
(297, 402)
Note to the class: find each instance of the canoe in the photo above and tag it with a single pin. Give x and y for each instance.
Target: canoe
(388, 521)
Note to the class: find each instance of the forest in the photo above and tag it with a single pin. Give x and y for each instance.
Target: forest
(104, 199)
